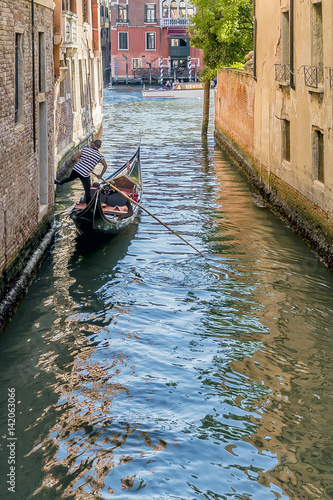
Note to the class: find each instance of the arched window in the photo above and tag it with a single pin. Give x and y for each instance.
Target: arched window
(165, 9)
(190, 10)
(182, 8)
(173, 10)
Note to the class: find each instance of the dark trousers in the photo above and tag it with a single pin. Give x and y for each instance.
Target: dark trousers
(85, 181)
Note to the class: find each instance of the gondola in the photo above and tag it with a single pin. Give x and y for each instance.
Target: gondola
(100, 216)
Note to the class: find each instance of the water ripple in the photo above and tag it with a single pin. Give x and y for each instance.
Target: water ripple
(144, 369)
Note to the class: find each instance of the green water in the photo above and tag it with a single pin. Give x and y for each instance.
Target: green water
(144, 370)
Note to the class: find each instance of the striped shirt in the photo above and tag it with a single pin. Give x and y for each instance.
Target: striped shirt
(89, 158)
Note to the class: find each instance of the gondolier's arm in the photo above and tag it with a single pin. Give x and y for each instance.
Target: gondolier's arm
(103, 162)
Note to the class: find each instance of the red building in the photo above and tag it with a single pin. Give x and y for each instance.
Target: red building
(150, 41)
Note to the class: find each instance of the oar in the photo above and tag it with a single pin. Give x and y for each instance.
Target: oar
(152, 215)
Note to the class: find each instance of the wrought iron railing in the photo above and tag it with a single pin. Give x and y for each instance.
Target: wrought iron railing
(311, 76)
(122, 21)
(282, 72)
(150, 20)
(168, 73)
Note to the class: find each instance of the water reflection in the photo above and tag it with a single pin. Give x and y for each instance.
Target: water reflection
(140, 372)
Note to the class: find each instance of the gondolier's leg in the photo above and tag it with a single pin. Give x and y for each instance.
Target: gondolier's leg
(86, 184)
(73, 175)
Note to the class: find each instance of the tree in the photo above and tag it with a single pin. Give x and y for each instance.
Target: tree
(223, 29)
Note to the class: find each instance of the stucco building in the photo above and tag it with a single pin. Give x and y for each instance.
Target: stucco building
(78, 72)
(105, 12)
(150, 41)
(26, 137)
(278, 118)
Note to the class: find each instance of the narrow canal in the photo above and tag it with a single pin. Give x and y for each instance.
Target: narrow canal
(140, 373)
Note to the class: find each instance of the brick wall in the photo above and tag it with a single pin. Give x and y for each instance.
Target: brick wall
(234, 108)
(20, 213)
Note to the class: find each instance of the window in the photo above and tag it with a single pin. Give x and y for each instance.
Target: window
(150, 41)
(92, 78)
(122, 14)
(41, 61)
(285, 34)
(286, 140)
(182, 9)
(137, 63)
(318, 155)
(19, 77)
(317, 41)
(81, 84)
(173, 9)
(150, 13)
(43, 155)
(178, 42)
(190, 11)
(73, 85)
(123, 41)
(69, 5)
(165, 9)
(85, 11)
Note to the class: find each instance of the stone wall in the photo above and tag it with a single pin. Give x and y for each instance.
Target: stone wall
(234, 108)
(236, 121)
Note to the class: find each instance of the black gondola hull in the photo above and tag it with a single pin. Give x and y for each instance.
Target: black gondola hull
(92, 220)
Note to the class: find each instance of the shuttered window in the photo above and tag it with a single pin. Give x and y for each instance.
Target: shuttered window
(150, 13)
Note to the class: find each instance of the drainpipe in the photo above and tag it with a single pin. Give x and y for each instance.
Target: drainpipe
(33, 74)
(291, 56)
(255, 41)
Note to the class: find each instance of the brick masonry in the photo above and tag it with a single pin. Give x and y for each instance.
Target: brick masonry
(22, 222)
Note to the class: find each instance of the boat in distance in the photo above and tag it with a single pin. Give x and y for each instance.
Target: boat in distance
(181, 90)
(108, 213)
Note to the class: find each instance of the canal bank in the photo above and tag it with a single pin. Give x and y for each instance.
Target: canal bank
(312, 224)
(138, 372)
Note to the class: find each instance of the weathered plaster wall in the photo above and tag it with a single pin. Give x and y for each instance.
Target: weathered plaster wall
(289, 182)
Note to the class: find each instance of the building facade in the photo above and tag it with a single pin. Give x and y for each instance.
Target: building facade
(287, 103)
(26, 137)
(150, 41)
(105, 13)
(78, 72)
(50, 104)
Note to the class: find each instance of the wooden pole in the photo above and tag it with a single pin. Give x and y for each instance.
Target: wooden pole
(145, 210)
(205, 118)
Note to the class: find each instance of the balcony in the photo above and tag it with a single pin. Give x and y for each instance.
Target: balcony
(70, 23)
(181, 21)
(282, 73)
(314, 77)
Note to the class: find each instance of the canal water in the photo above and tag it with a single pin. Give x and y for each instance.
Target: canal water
(144, 370)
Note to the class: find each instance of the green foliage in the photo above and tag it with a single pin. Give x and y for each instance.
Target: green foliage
(207, 73)
(237, 65)
(223, 29)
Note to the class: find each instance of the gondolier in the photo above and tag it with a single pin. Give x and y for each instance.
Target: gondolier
(86, 160)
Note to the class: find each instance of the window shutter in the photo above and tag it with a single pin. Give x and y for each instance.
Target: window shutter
(146, 13)
(154, 12)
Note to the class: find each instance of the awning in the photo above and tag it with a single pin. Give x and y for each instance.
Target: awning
(177, 31)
